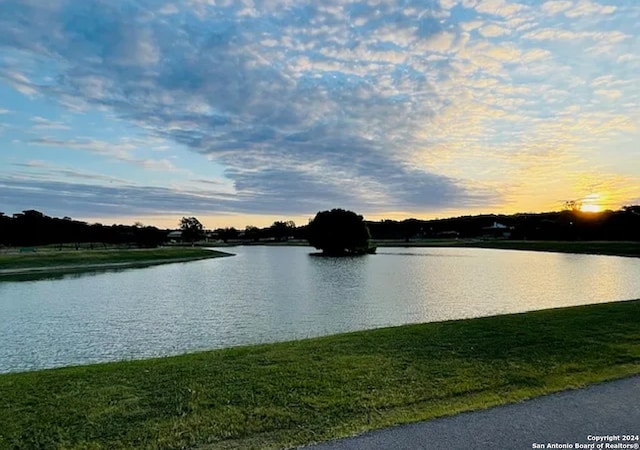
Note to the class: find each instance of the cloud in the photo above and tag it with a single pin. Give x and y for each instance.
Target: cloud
(309, 105)
(471, 25)
(611, 94)
(553, 34)
(575, 9)
(84, 194)
(501, 8)
(45, 124)
(556, 6)
(440, 42)
(92, 200)
(45, 171)
(19, 82)
(588, 8)
(448, 4)
(493, 30)
(121, 152)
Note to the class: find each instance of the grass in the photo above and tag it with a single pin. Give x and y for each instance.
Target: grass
(287, 394)
(615, 248)
(49, 258)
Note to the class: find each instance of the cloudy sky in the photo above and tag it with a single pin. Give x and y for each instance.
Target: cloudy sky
(246, 111)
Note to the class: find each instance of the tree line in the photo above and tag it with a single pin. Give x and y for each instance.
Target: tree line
(566, 225)
(33, 228)
(192, 230)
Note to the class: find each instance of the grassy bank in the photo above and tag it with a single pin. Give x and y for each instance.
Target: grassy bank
(287, 394)
(615, 248)
(51, 260)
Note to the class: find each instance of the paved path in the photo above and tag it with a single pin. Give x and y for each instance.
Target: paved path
(568, 417)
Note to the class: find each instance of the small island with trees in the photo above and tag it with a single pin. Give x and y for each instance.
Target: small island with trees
(340, 233)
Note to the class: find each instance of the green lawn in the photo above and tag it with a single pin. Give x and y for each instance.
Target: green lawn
(49, 257)
(618, 248)
(286, 394)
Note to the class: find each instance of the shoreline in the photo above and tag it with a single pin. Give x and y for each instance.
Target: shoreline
(79, 267)
(604, 248)
(113, 265)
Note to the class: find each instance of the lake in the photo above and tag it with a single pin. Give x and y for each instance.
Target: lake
(269, 294)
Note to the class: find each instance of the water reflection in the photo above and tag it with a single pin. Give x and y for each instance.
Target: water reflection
(267, 294)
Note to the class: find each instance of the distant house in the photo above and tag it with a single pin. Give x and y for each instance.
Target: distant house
(175, 236)
(497, 230)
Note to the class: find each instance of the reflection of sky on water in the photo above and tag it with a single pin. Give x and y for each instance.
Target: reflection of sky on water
(267, 294)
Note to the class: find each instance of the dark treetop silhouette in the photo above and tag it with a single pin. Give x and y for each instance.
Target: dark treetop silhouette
(33, 228)
(339, 232)
(192, 229)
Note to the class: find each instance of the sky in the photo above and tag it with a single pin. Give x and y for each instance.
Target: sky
(242, 112)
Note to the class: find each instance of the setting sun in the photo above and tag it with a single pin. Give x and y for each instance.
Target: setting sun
(590, 208)
(592, 203)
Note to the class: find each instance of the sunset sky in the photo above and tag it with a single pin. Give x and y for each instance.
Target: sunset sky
(245, 111)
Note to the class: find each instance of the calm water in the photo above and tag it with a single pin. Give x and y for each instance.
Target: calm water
(267, 294)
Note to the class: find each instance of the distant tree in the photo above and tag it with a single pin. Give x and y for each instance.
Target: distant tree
(339, 232)
(628, 223)
(282, 230)
(252, 233)
(148, 237)
(572, 205)
(192, 229)
(227, 233)
(5, 229)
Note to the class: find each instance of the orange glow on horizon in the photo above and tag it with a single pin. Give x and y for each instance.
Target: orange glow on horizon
(591, 208)
(592, 203)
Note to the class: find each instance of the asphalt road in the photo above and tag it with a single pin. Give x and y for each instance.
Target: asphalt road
(569, 417)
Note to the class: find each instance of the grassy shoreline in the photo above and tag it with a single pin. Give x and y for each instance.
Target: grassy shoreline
(288, 394)
(50, 261)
